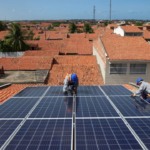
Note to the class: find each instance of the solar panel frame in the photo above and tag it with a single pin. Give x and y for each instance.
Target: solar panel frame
(94, 107)
(32, 92)
(115, 90)
(142, 128)
(129, 107)
(53, 107)
(6, 129)
(104, 134)
(17, 107)
(96, 93)
(43, 134)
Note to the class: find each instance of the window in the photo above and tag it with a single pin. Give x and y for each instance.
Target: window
(118, 68)
(137, 68)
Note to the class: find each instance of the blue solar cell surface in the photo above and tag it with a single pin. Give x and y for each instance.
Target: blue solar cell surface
(43, 135)
(94, 107)
(17, 107)
(6, 129)
(53, 107)
(51, 127)
(89, 91)
(97, 134)
(129, 107)
(115, 90)
(32, 92)
(142, 128)
(82, 91)
(55, 91)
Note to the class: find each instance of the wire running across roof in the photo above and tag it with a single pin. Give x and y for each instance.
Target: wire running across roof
(106, 117)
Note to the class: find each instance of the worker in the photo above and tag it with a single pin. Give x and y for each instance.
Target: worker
(70, 84)
(143, 91)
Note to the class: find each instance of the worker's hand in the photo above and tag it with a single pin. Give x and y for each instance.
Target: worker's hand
(148, 95)
(133, 95)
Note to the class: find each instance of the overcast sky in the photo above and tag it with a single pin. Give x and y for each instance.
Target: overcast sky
(73, 9)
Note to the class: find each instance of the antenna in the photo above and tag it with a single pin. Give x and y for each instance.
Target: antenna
(94, 12)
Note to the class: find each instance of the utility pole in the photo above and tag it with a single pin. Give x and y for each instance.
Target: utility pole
(94, 13)
(110, 11)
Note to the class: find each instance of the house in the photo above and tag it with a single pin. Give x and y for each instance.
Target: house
(122, 58)
(128, 31)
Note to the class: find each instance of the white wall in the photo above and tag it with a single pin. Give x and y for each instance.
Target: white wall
(119, 31)
(126, 78)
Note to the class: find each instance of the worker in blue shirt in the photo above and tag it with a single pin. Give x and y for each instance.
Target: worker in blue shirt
(70, 84)
(143, 91)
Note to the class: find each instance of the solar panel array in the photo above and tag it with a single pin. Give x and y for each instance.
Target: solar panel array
(106, 117)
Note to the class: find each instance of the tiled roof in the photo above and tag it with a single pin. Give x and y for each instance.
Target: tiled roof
(131, 29)
(8, 92)
(146, 34)
(27, 63)
(85, 66)
(3, 34)
(77, 60)
(126, 48)
(40, 53)
(88, 74)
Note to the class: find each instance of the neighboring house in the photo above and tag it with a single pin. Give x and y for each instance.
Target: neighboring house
(122, 59)
(146, 35)
(128, 31)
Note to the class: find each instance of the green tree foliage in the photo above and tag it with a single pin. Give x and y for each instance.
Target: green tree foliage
(56, 24)
(87, 28)
(50, 27)
(139, 23)
(30, 35)
(2, 26)
(15, 38)
(72, 28)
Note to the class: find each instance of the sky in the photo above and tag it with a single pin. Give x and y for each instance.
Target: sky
(73, 9)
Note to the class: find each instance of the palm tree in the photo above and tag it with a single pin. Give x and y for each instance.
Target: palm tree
(15, 38)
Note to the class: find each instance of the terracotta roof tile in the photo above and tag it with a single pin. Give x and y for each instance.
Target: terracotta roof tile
(126, 48)
(27, 63)
(146, 34)
(3, 34)
(131, 29)
(10, 91)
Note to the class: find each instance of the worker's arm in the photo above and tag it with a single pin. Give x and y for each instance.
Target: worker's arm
(139, 91)
(65, 87)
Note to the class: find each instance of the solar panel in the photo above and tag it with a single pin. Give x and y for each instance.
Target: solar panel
(43, 134)
(53, 107)
(89, 91)
(55, 91)
(129, 107)
(6, 129)
(142, 128)
(102, 120)
(95, 134)
(32, 92)
(115, 90)
(17, 107)
(94, 107)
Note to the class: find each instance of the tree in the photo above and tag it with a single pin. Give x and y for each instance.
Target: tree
(2, 26)
(15, 38)
(72, 28)
(87, 28)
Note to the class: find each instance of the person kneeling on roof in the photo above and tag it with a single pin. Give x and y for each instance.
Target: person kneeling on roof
(70, 84)
(144, 89)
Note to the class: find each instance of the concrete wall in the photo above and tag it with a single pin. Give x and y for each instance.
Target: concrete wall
(11, 54)
(100, 54)
(100, 63)
(125, 78)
